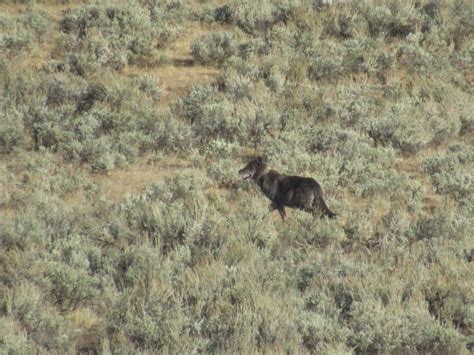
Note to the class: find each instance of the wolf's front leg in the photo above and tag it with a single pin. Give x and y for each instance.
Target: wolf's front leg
(281, 209)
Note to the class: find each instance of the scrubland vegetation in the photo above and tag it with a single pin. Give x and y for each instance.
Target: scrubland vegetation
(124, 226)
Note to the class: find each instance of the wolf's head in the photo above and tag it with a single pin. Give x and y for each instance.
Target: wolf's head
(253, 169)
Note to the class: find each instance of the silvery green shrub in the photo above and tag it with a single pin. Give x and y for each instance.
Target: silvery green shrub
(113, 35)
(214, 48)
(15, 44)
(254, 18)
(12, 133)
(149, 85)
(450, 172)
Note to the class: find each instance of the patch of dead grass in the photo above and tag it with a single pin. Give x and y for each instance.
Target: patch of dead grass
(182, 71)
(131, 180)
(175, 80)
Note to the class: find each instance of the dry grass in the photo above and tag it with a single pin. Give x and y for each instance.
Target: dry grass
(131, 180)
(181, 71)
(175, 79)
(7, 212)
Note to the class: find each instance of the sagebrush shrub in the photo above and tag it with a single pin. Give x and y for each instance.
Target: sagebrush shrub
(347, 23)
(114, 35)
(451, 172)
(71, 288)
(167, 10)
(12, 134)
(412, 56)
(359, 164)
(214, 48)
(198, 96)
(252, 17)
(327, 60)
(409, 126)
(37, 22)
(21, 32)
(239, 86)
(12, 336)
(149, 85)
(88, 122)
(15, 44)
(393, 19)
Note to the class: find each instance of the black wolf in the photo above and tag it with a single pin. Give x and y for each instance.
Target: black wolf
(283, 190)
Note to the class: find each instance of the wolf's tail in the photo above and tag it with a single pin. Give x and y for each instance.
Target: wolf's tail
(324, 208)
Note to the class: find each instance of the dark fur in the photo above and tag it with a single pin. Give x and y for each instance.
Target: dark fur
(290, 191)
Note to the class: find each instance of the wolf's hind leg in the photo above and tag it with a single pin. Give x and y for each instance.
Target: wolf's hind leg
(281, 209)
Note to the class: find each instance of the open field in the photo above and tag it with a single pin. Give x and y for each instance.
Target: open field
(125, 228)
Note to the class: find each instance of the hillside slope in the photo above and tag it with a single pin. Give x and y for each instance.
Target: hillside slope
(124, 226)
